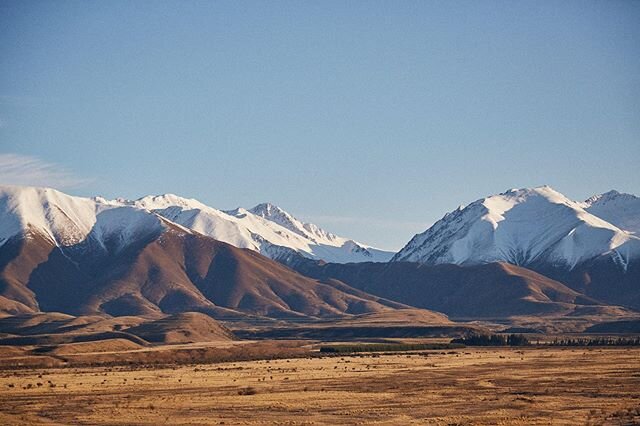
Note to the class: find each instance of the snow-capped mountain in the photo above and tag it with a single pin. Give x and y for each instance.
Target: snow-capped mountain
(521, 227)
(264, 228)
(67, 220)
(619, 209)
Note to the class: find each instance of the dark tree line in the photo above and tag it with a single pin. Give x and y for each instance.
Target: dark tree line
(597, 341)
(493, 340)
(520, 340)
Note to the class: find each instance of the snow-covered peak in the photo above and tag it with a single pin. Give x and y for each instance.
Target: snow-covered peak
(307, 230)
(277, 215)
(62, 218)
(520, 226)
(267, 209)
(158, 202)
(307, 239)
(67, 220)
(520, 195)
(620, 209)
(606, 196)
(343, 249)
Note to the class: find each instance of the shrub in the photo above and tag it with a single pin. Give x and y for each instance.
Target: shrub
(247, 391)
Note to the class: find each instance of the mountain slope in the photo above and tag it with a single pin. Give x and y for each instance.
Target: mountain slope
(266, 229)
(521, 227)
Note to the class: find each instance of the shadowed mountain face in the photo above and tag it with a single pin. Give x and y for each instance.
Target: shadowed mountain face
(490, 290)
(176, 271)
(602, 278)
(19, 257)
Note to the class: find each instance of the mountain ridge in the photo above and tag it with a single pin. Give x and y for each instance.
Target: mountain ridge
(68, 219)
(265, 228)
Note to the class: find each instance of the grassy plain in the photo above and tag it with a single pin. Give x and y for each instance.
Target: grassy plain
(530, 386)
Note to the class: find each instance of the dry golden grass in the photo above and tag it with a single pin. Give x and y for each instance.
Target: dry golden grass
(468, 386)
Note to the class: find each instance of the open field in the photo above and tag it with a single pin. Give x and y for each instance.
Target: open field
(465, 386)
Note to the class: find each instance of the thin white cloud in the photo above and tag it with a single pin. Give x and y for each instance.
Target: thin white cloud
(16, 169)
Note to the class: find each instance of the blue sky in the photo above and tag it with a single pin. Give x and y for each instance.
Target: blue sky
(369, 118)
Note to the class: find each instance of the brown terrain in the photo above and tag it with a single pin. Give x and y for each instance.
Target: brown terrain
(171, 273)
(495, 290)
(189, 368)
(46, 334)
(463, 387)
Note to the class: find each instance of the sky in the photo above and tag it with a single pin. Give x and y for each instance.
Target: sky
(369, 118)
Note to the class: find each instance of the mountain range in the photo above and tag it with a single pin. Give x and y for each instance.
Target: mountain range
(522, 252)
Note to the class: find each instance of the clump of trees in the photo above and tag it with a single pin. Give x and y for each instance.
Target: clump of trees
(492, 340)
(597, 341)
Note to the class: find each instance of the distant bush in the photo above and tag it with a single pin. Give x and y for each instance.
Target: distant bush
(247, 391)
(492, 340)
(388, 347)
